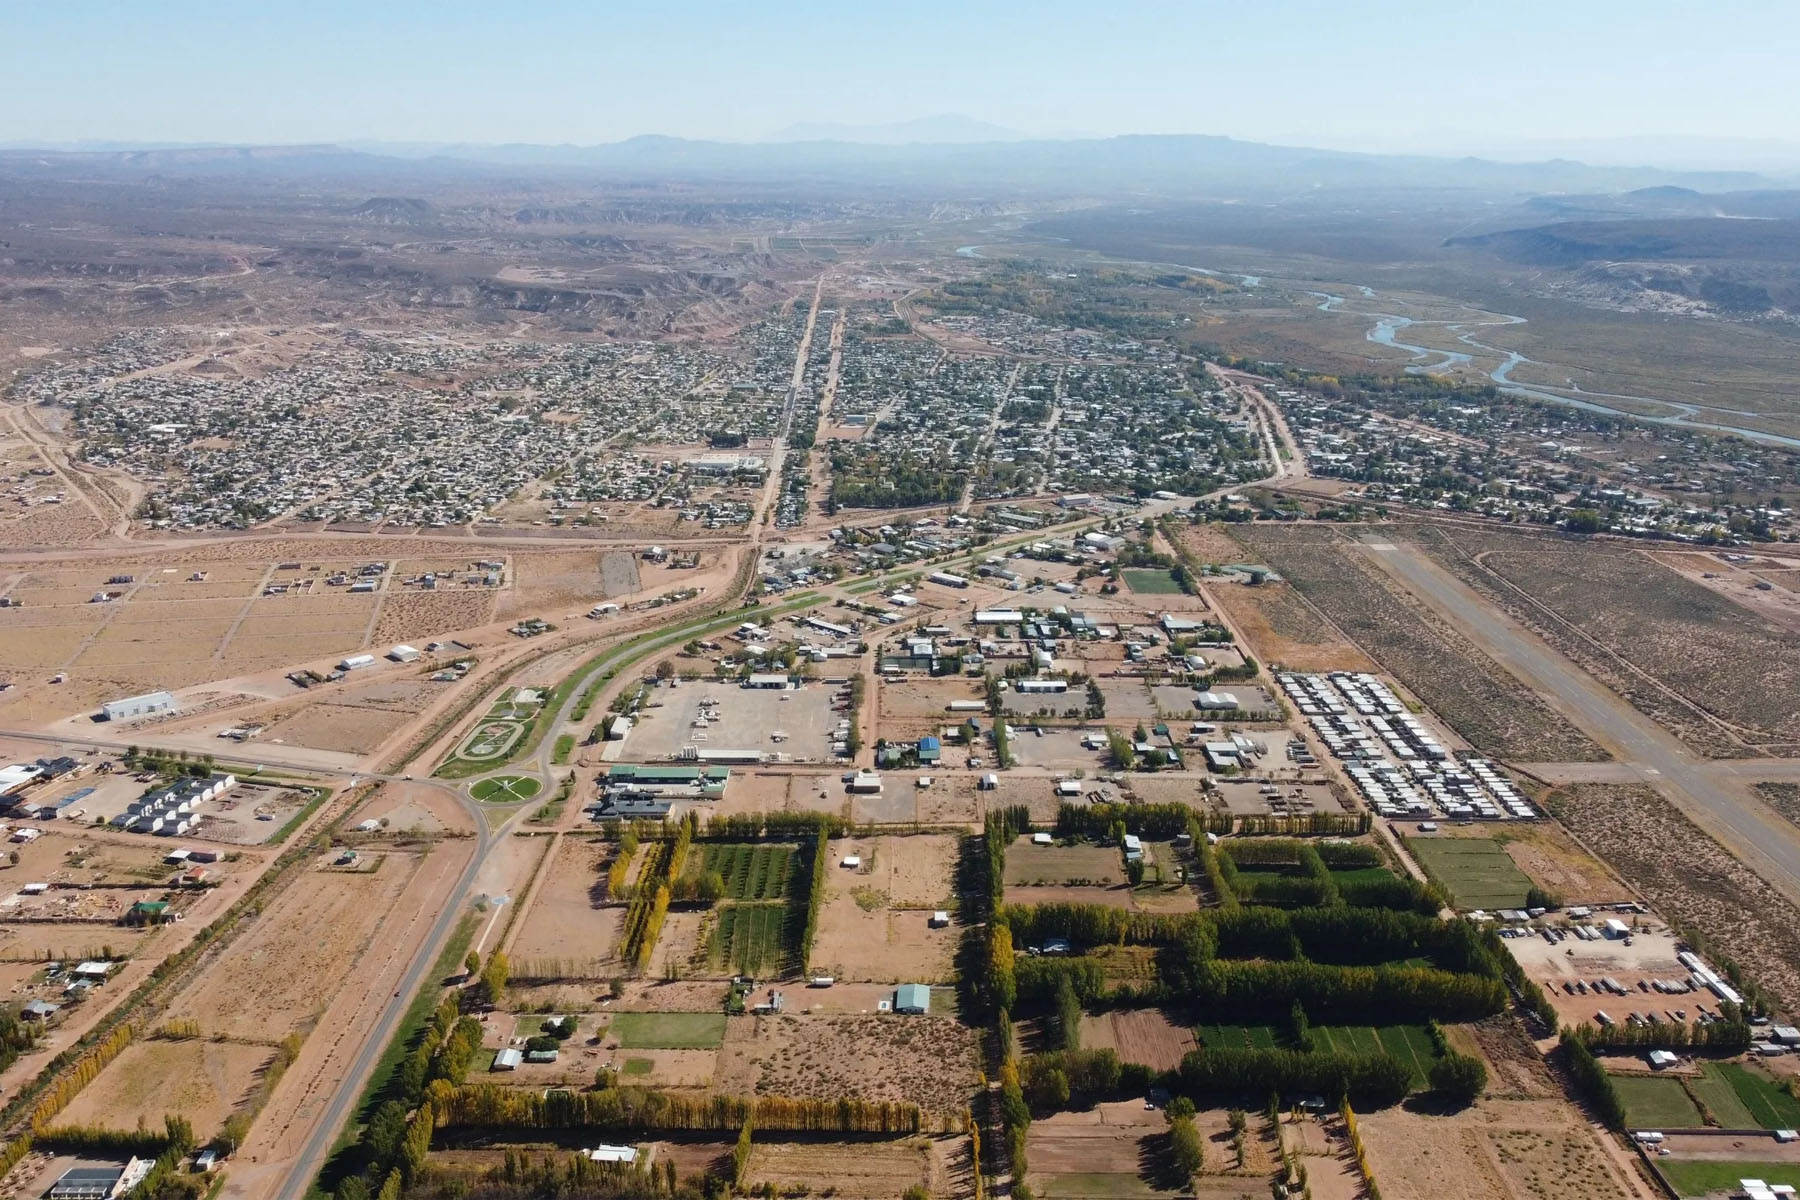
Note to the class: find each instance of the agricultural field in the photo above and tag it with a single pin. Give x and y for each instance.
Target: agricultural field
(1742, 1097)
(1720, 1177)
(1477, 872)
(865, 1170)
(751, 871)
(1552, 859)
(1408, 1043)
(1139, 1035)
(931, 1061)
(748, 939)
(1678, 650)
(1656, 1102)
(1476, 696)
(1748, 920)
(1118, 1151)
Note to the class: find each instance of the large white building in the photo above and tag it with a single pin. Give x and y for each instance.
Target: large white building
(138, 706)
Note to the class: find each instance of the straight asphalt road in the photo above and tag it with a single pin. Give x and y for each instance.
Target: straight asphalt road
(1721, 806)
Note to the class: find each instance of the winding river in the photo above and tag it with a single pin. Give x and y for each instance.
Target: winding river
(1387, 326)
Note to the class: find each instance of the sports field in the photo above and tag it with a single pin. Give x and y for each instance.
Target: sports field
(1148, 582)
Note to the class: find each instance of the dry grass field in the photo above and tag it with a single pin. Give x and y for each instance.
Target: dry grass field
(201, 1080)
(1633, 827)
(1483, 703)
(565, 933)
(931, 1061)
(279, 976)
(863, 1170)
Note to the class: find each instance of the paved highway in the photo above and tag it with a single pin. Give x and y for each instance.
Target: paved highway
(1715, 801)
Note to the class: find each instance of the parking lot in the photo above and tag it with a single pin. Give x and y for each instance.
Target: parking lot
(797, 722)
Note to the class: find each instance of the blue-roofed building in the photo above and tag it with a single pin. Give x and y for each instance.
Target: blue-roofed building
(912, 998)
(930, 750)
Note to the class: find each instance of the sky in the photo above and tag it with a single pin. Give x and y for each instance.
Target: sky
(1427, 75)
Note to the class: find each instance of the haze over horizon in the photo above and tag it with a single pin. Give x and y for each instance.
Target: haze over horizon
(1609, 81)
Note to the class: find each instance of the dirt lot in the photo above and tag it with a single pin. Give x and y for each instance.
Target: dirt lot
(565, 933)
(1520, 1149)
(1140, 1035)
(1481, 701)
(1120, 1150)
(281, 974)
(1632, 827)
(864, 1170)
(931, 1061)
(875, 922)
(200, 1080)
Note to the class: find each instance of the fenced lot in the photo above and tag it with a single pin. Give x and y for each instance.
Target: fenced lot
(1478, 872)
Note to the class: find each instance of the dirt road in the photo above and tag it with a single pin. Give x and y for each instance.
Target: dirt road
(1714, 800)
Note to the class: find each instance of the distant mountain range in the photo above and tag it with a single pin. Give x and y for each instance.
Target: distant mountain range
(946, 129)
(1173, 164)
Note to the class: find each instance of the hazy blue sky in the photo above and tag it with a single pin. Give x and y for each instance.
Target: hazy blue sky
(1398, 73)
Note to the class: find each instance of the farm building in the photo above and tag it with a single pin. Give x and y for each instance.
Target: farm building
(613, 1154)
(17, 778)
(776, 681)
(866, 782)
(946, 579)
(913, 998)
(99, 1183)
(357, 662)
(1134, 848)
(403, 654)
(617, 728)
(999, 616)
(507, 1059)
(1039, 687)
(39, 1010)
(138, 706)
(1216, 701)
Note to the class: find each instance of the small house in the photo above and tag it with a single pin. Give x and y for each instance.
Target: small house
(913, 998)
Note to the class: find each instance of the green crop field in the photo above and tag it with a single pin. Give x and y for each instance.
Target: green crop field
(1477, 871)
(1360, 875)
(1656, 1103)
(1408, 1043)
(749, 939)
(669, 1031)
(1236, 1037)
(1765, 1103)
(752, 871)
(1695, 1178)
(1713, 1088)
